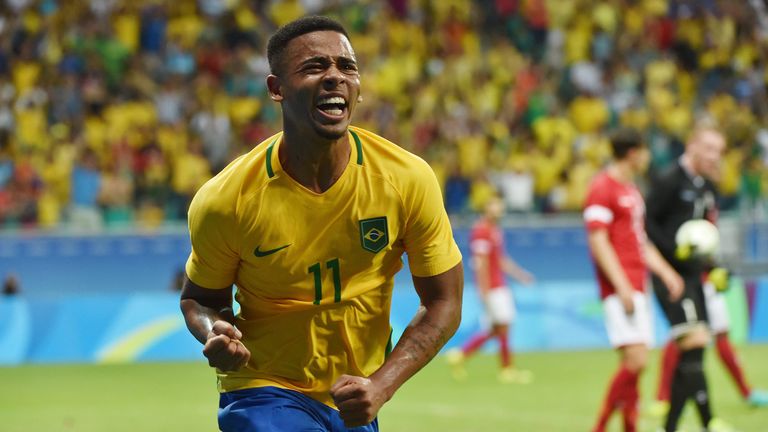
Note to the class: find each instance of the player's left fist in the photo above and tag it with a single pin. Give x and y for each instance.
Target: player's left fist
(358, 400)
(720, 278)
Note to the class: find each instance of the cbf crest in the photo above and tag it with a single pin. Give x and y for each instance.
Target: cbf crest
(374, 235)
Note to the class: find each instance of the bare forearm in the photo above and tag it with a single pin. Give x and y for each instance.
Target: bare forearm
(429, 330)
(514, 270)
(607, 260)
(202, 307)
(435, 322)
(200, 318)
(483, 283)
(656, 262)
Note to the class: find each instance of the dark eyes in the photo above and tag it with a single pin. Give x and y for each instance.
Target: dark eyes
(313, 67)
(319, 67)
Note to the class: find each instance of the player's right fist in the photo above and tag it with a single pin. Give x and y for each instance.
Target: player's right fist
(627, 300)
(358, 399)
(223, 348)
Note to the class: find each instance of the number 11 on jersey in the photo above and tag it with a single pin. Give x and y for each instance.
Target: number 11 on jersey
(315, 270)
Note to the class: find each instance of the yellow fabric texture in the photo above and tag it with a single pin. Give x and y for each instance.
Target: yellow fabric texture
(589, 114)
(310, 244)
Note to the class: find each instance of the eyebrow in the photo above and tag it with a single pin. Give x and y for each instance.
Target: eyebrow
(324, 60)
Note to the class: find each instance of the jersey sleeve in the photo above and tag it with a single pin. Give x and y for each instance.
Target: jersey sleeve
(480, 241)
(212, 229)
(598, 207)
(428, 237)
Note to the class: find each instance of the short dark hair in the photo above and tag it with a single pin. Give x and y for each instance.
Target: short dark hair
(308, 24)
(623, 140)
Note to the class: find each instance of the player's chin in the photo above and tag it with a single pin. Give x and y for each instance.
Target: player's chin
(332, 131)
(331, 126)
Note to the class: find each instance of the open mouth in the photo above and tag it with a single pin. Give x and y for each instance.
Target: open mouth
(332, 106)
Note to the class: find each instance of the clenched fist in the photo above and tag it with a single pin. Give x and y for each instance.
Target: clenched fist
(223, 348)
(358, 400)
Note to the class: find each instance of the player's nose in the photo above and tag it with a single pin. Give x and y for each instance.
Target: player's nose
(333, 77)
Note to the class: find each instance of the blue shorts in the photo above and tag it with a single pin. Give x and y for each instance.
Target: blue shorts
(272, 409)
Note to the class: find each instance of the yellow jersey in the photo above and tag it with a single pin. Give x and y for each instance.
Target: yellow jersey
(314, 271)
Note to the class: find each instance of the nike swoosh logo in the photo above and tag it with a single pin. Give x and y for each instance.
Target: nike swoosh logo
(261, 253)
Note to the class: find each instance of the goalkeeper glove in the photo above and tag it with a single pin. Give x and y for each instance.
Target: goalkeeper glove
(683, 252)
(720, 278)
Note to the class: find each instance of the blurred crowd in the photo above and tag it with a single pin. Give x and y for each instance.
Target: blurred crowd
(115, 112)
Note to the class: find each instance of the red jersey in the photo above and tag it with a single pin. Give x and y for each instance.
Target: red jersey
(487, 239)
(619, 208)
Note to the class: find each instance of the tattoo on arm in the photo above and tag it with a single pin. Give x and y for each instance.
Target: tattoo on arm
(434, 323)
(424, 338)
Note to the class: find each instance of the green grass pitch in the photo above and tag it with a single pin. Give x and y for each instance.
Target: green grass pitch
(564, 397)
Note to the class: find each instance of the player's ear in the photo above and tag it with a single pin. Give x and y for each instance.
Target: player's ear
(274, 88)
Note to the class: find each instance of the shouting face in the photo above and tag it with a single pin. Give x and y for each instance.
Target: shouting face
(317, 83)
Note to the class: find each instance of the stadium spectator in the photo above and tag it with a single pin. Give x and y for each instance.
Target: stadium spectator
(457, 190)
(516, 184)
(190, 171)
(116, 193)
(6, 161)
(86, 187)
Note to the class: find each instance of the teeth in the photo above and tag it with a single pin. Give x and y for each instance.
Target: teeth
(334, 111)
(332, 100)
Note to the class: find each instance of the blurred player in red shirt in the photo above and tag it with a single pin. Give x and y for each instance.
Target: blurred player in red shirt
(491, 264)
(614, 215)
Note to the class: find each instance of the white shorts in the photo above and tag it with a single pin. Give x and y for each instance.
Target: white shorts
(626, 329)
(500, 306)
(717, 310)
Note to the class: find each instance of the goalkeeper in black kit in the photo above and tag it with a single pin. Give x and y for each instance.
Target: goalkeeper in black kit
(686, 192)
